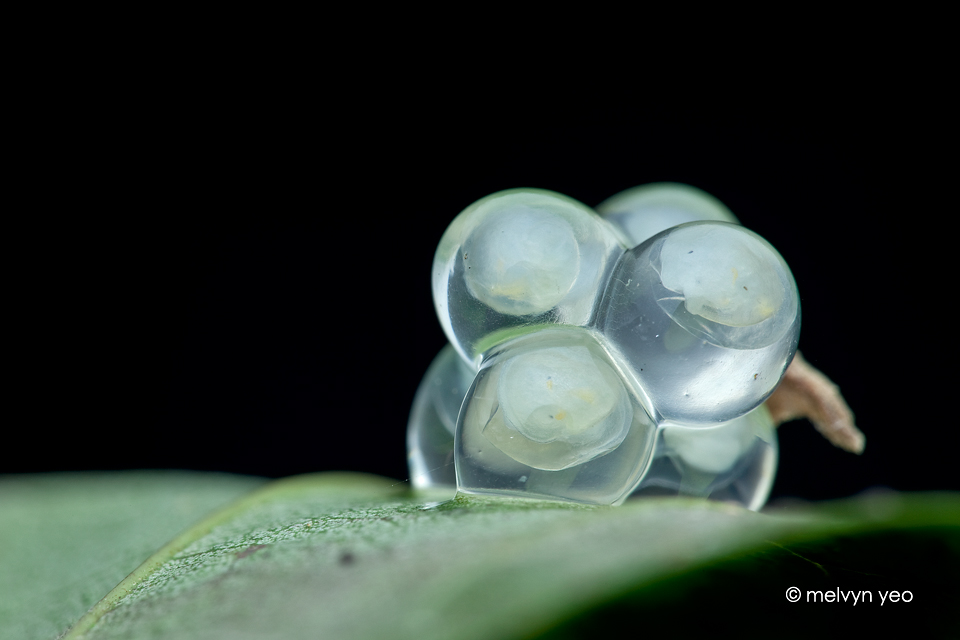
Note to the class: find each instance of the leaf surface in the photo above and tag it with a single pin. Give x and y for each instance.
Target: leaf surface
(353, 556)
(66, 539)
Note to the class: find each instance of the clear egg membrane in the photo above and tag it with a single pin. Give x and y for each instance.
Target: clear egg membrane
(644, 211)
(549, 415)
(693, 369)
(732, 462)
(518, 258)
(433, 420)
(728, 284)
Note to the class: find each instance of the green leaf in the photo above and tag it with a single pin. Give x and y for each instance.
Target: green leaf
(66, 539)
(352, 556)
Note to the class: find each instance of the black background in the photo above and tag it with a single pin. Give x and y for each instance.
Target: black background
(233, 274)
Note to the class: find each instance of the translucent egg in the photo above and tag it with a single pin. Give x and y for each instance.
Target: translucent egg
(708, 317)
(643, 212)
(731, 462)
(516, 260)
(586, 373)
(530, 267)
(736, 289)
(433, 420)
(549, 415)
(567, 405)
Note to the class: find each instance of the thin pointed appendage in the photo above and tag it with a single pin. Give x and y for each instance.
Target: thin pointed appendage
(805, 392)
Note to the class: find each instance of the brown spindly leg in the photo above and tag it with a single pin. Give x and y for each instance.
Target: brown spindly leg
(805, 392)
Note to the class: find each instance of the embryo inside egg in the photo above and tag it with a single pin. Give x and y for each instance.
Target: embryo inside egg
(726, 275)
(521, 261)
(560, 393)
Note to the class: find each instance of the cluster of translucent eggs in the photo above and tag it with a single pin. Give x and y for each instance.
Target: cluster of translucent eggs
(582, 369)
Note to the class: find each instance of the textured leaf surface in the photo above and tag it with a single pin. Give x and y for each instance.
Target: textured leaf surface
(66, 539)
(351, 556)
